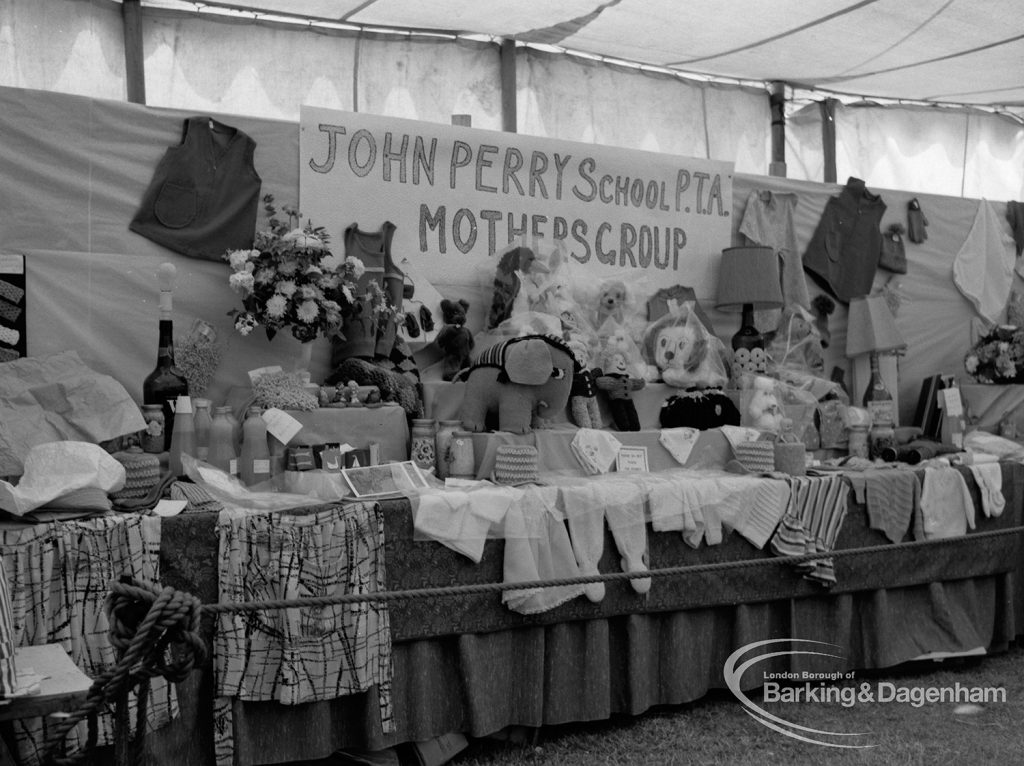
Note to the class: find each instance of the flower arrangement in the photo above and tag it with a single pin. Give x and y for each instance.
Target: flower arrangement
(291, 279)
(998, 356)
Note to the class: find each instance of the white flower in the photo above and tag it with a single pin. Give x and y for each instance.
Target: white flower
(971, 364)
(308, 311)
(245, 323)
(239, 259)
(241, 282)
(276, 306)
(287, 267)
(266, 275)
(310, 293)
(331, 307)
(346, 290)
(304, 239)
(357, 267)
(286, 288)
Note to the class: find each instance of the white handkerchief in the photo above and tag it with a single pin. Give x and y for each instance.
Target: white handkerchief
(595, 449)
(679, 442)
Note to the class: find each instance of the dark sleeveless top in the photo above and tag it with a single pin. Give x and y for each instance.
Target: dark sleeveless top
(365, 335)
(205, 192)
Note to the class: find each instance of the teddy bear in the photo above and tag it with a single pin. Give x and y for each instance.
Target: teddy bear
(611, 301)
(454, 338)
(583, 406)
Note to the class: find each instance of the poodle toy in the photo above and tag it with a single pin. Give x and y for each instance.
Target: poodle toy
(454, 339)
(762, 410)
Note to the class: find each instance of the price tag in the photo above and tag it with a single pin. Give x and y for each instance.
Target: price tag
(951, 402)
(280, 424)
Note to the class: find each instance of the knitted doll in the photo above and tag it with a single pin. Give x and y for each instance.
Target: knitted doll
(454, 339)
(617, 384)
(583, 405)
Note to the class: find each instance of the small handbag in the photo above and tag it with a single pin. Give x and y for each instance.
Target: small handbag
(893, 257)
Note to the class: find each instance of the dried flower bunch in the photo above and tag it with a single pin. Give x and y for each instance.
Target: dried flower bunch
(198, 356)
(291, 279)
(998, 356)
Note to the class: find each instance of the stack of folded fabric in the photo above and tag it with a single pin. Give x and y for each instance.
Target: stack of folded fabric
(595, 450)
(515, 464)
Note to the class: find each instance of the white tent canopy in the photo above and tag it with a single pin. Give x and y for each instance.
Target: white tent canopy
(953, 51)
(266, 58)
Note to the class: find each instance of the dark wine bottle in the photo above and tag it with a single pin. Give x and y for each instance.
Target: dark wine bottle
(165, 383)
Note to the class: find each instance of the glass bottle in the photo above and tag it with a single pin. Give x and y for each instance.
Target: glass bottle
(223, 454)
(165, 383)
(254, 460)
(203, 423)
(152, 437)
(183, 436)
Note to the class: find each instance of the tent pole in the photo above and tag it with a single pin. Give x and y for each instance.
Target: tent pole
(134, 63)
(777, 102)
(828, 138)
(509, 118)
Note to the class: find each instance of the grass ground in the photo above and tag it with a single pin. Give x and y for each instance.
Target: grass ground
(716, 730)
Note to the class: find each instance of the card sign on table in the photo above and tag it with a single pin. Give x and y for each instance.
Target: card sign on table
(632, 460)
(13, 342)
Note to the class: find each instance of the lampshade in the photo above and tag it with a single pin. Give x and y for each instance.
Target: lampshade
(749, 275)
(871, 327)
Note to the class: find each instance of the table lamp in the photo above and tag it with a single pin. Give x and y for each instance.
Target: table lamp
(871, 329)
(748, 281)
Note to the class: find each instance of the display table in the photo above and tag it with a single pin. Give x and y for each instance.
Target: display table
(465, 663)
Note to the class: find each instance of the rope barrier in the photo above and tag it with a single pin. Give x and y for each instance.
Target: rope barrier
(145, 620)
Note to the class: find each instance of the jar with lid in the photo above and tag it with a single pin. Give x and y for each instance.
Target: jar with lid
(423, 444)
(857, 445)
(445, 429)
(151, 439)
(460, 456)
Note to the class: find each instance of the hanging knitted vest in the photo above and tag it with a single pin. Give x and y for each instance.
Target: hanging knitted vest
(203, 198)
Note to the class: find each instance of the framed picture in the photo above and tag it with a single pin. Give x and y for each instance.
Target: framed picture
(385, 479)
(632, 459)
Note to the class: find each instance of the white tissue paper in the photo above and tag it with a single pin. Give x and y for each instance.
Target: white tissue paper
(55, 469)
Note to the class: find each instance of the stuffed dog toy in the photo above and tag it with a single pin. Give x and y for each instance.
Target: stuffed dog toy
(610, 302)
(684, 353)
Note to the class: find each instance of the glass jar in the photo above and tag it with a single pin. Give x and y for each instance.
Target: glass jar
(461, 458)
(857, 445)
(151, 439)
(445, 429)
(423, 442)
